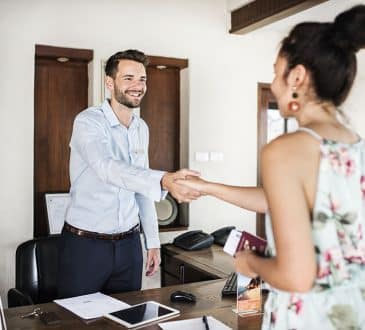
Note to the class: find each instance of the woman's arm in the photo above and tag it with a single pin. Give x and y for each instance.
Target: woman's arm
(250, 198)
(285, 170)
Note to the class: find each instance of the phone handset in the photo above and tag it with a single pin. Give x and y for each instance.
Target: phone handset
(186, 235)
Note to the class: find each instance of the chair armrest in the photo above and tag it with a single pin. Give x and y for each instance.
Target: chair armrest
(17, 298)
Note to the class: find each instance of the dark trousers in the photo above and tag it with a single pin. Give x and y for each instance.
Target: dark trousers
(88, 265)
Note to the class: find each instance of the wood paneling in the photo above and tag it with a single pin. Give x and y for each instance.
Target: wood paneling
(161, 111)
(262, 12)
(81, 55)
(60, 92)
(169, 62)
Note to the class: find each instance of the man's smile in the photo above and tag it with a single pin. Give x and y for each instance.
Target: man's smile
(135, 94)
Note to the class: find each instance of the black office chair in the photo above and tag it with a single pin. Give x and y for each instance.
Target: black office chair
(36, 272)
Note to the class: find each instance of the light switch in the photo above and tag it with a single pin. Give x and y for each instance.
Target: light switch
(202, 156)
(216, 156)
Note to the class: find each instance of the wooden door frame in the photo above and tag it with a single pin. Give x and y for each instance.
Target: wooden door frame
(264, 98)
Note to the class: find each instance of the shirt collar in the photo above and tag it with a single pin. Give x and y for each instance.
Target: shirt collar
(135, 121)
(113, 119)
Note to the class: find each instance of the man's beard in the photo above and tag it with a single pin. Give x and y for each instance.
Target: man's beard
(124, 100)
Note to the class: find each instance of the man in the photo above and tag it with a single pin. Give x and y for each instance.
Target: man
(112, 189)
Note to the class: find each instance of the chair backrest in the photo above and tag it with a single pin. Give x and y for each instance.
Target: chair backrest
(37, 268)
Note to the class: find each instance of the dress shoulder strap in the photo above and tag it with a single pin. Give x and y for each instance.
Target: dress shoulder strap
(311, 132)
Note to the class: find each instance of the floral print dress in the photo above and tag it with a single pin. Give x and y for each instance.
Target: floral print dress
(337, 299)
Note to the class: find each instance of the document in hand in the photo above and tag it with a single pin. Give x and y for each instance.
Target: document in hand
(238, 241)
(249, 298)
(91, 306)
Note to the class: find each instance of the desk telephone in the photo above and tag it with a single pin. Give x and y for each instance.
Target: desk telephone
(197, 239)
(221, 235)
(193, 240)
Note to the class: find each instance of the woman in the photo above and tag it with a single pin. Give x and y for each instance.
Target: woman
(314, 183)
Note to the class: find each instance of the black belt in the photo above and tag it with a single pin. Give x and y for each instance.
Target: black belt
(91, 234)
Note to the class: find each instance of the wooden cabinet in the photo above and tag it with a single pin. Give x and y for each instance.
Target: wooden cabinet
(166, 119)
(60, 93)
(179, 266)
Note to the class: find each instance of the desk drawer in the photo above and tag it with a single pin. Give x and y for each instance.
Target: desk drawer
(183, 272)
(167, 280)
(171, 265)
(189, 274)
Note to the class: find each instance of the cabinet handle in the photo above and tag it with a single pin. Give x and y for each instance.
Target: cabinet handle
(182, 274)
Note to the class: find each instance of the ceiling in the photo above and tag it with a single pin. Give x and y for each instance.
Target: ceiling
(234, 4)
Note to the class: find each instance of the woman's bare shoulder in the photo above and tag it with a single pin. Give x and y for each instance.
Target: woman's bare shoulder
(294, 147)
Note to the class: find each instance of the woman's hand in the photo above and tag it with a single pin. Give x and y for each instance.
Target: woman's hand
(194, 182)
(241, 263)
(182, 193)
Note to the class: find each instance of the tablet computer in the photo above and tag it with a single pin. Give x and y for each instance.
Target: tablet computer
(141, 314)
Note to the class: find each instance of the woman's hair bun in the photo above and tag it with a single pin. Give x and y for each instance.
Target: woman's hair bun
(348, 29)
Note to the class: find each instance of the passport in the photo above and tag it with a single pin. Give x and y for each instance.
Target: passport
(252, 242)
(243, 240)
(249, 299)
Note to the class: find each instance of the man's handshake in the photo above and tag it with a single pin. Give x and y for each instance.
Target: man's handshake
(180, 192)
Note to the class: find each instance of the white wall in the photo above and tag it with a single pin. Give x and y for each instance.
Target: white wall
(223, 73)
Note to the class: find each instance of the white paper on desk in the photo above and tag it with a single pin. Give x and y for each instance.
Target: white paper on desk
(92, 306)
(194, 324)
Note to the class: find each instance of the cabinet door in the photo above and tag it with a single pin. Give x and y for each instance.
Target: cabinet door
(167, 280)
(174, 271)
(161, 111)
(167, 122)
(60, 93)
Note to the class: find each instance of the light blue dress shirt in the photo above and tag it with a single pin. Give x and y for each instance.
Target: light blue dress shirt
(111, 184)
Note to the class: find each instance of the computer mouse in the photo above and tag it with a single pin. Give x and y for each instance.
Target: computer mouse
(181, 296)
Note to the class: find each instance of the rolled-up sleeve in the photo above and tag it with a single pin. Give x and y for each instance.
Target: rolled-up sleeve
(90, 141)
(147, 214)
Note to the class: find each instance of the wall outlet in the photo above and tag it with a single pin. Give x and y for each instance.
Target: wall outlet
(216, 156)
(202, 156)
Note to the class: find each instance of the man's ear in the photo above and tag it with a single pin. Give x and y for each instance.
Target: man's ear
(297, 76)
(109, 83)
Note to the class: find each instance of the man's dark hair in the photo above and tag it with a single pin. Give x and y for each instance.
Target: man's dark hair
(111, 66)
(328, 50)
